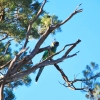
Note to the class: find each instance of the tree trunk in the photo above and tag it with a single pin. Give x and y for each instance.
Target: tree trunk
(1, 92)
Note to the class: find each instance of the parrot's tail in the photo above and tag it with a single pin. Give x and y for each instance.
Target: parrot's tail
(39, 73)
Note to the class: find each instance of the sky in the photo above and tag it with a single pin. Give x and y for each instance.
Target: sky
(84, 26)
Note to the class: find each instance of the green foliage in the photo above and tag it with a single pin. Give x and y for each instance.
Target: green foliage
(92, 84)
(5, 56)
(8, 94)
(17, 15)
(48, 20)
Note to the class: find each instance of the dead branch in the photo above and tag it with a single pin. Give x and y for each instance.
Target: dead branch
(42, 39)
(33, 53)
(36, 50)
(7, 44)
(4, 37)
(16, 58)
(66, 20)
(6, 49)
(5, 65)
(32, 21)
(70, 84)
(43, 49)
(69, 56)
(11, 65)
(18, 75)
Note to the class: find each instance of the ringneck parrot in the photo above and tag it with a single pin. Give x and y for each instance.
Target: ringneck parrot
(46, 54)
(46, 21)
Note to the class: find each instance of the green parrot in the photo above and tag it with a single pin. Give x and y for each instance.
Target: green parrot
(46, 54)
(46, 21)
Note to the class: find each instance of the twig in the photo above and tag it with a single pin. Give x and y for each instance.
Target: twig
(4, 37)
(6, 49)
(3, 66)
(66, 20)
(69, 56)
(1, 73)
(69, 83)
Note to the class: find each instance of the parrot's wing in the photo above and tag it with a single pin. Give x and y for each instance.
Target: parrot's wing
(45, 55)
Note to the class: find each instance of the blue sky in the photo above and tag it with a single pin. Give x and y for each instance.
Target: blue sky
(84, 26)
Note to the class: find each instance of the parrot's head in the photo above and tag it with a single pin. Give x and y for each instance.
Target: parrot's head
(55, 44)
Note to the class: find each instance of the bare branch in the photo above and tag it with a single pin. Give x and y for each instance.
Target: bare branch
(1, 73)
(51, 28)
(66, 20)
(44, 36)
(42, 39)
(18, 75)
(9, 69)
(16, 57)
(78, 6)
(69, 56)
(34, 51)
(8, 44)
(43, 49)
(32, 21)
(7, 64)
(69, 83)
(6, 49)
(4, 37)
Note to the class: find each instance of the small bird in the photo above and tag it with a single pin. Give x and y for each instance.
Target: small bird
(48, 21)
(46, 54)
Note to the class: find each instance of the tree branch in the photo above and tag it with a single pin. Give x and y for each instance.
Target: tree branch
(70, 84)
(37, 50)
(66, 20)
(42, 39)
(18, 75)
(10, 67)
(5, 65)
(4, 37)
(33, 53)
(32, 21)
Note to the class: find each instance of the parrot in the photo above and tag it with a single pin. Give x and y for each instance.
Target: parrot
(46, 22)
(53, 48)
